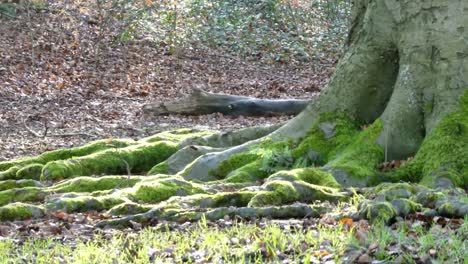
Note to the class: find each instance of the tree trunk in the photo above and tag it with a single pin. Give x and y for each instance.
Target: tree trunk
(399, 92)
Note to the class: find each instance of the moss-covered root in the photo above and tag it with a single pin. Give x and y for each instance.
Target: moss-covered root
(286, 211)
(231, 138)
(150, 190)
(135, 159)
(161, 188)
(305, 185)
(179, 136)
(388, 200)
(11, 184)
(20, 211)
(61, 154)
(441, 161)
(179, 160)
(25, 194)
(91, 184)
(30, 171)
(356, 165)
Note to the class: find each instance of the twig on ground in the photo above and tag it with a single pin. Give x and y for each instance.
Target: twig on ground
(46, 129)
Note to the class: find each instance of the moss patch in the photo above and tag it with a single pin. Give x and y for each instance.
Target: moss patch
(442, 158)
(138, 158)
(11, 184)
(162, 189)
(234, 162)
(160, 168)
(359, 160)
(177, 136)
(332, 132)
(30, 171)
(20, 211)
(83, 203)
(309, 175)
(89, 184)
(61, 154)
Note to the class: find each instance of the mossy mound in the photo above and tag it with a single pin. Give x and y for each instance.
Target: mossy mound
(135, 159)
(20, 211)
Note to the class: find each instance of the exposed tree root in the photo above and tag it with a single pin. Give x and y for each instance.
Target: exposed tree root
(399, 91)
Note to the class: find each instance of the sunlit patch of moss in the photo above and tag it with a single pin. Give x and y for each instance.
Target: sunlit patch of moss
(309, 175)
(161, 167)
(30, 171)
(20, 211)
(177, 136)
(137, 159)
(11, 184)
(83, 203)
(162, 189)
(278, 192)
(10, 173)
(62, 154)
(25, 194)
(90, 184)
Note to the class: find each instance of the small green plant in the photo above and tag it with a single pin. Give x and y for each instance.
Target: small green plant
(8, 10)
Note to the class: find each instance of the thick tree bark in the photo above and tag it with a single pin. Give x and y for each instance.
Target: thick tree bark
(200, 103)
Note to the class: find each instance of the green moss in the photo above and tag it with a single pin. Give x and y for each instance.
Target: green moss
(444, 152)
(377, 211)
(85, 203)
(162, 189)
(62, 154)
(139, 158)
(11, 184)
(129, 208)
(15, 211)
(161, 167)
(232, 163)
(309, 175)
(247, 173)
(10, 173)
(30, 171)
(89, 184)
(25, 194)
(342, 131)
(278, 193)
(177, 136)
(237, 199)
(360, 159)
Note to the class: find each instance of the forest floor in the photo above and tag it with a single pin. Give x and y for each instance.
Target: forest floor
(55, 92)
(56, 82)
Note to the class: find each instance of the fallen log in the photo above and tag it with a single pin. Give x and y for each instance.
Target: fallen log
(200, 102)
